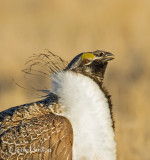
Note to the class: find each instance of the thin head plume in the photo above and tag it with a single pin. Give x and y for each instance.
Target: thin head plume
(38, 71)
(29, 89)
(45, 63)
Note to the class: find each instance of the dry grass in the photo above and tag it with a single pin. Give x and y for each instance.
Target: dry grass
(70, 27)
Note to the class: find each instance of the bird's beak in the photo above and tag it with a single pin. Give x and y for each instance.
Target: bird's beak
(108, 56)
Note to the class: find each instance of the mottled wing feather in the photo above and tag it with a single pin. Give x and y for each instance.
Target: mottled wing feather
(34, 131)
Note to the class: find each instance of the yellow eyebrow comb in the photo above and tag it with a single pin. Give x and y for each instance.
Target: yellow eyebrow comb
(87, 55)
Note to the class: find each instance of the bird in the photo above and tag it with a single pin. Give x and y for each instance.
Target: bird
(73, 122)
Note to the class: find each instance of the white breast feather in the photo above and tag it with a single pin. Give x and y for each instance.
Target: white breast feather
(86, 106)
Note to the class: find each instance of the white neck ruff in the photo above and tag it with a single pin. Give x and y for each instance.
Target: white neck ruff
(87, 108)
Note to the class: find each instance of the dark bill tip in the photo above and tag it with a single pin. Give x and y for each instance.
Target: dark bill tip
(108, 56)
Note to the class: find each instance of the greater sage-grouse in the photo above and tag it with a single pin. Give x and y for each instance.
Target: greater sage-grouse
(74, 121)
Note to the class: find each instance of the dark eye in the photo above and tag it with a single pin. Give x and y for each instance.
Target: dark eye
(85, 61)
(101, 54)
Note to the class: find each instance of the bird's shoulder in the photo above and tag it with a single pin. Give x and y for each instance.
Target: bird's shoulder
(13, 116)
(35, 130)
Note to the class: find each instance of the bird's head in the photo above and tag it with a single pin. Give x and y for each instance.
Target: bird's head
(92, 64)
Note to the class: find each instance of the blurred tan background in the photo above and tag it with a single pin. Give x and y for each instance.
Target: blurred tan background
(68, 27)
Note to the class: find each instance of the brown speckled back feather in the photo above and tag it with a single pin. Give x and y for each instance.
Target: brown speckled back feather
(34, 131)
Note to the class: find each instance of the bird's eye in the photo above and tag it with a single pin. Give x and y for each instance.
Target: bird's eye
(85, 61)
(101, 54)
